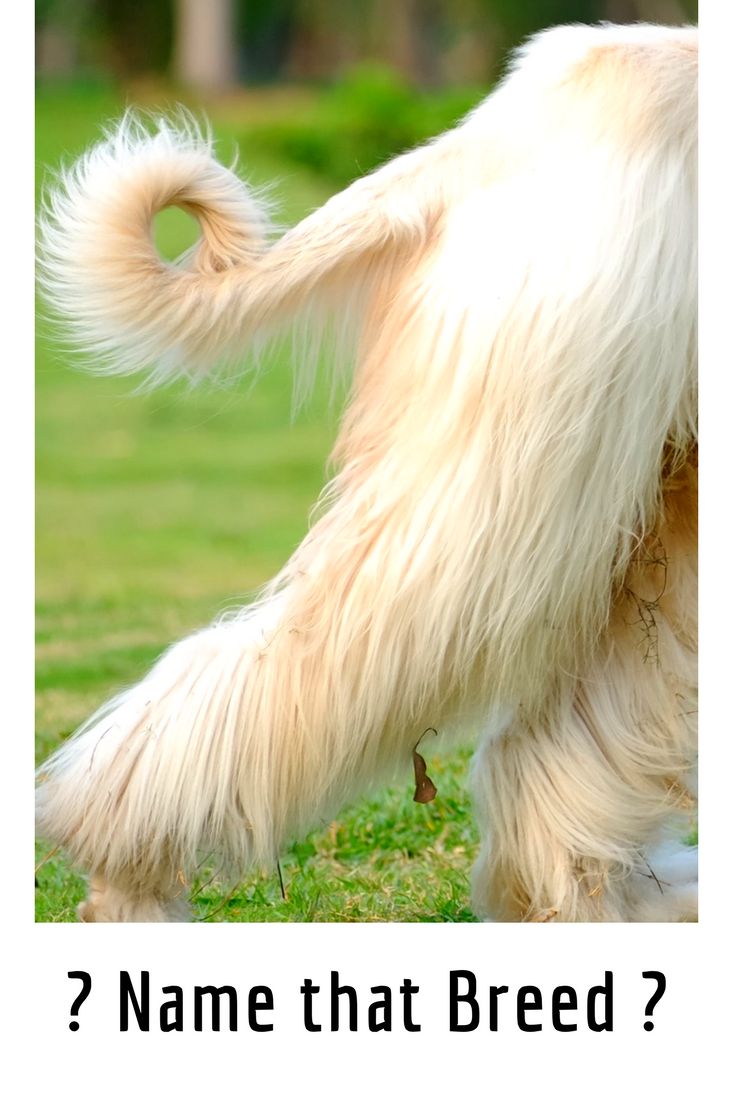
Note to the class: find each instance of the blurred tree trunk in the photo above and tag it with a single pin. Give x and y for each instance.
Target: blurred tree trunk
(204, 49)
(320, 45)
(408, 39)
(59, 36)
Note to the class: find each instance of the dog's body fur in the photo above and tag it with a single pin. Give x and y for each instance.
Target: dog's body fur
(511, 531)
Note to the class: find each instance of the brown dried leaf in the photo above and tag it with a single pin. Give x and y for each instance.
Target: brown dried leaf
(425, 787)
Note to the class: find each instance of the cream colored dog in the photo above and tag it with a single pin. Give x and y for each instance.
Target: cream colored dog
(511, 533)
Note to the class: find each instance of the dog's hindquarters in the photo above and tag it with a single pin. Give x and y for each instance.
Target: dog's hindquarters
(526, 364)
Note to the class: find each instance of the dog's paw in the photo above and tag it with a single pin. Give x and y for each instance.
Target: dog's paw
(108, 903)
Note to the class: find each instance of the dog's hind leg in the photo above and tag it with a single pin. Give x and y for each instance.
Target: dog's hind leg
(574, 797)
(211, 754)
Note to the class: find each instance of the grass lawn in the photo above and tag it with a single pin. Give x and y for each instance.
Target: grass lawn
(154, 513)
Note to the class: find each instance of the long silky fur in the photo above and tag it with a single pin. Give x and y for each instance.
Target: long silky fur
(511, 529)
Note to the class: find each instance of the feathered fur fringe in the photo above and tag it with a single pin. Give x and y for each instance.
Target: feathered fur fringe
(511, 527)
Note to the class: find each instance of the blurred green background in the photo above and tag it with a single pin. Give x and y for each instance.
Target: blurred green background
(156, 511)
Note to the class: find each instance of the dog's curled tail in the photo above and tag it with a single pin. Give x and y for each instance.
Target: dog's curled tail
(132, 310)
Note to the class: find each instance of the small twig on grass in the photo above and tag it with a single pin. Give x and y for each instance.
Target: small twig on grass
(650, 870)
(48, 857)
(221, 906)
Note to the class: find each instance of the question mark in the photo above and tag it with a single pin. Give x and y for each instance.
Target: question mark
(660, 979)
(86, 988)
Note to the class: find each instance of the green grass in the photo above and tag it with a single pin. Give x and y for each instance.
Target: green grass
(155, 512)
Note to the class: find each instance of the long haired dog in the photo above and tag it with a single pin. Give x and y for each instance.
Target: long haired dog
(511, 531)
